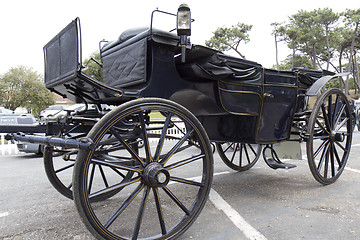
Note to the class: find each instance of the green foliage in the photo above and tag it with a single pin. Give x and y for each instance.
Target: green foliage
(335, 83)
(23, 87)
(225, 39)
(295, 61)
(312, 34)
(93, 69)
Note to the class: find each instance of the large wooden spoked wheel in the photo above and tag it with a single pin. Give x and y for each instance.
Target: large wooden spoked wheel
(329, 136)
(59, 171)
(59, 166)
(171, 180)
(239, 156)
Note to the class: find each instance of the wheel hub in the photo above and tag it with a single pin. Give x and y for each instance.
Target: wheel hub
(155, 175)
(336, 137)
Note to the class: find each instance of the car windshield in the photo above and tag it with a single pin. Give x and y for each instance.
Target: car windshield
(5, 111)
(55, 107)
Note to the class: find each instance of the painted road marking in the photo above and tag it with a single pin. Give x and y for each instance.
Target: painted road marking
(249, 231)
(352, 169)
(4, 214)
(235, 217)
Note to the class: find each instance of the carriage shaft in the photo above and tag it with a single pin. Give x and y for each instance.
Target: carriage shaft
(82, 143)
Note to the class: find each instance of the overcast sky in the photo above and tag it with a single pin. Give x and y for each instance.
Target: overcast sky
(26, 26)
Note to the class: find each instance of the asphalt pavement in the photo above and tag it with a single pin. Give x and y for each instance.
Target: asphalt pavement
(260, 203)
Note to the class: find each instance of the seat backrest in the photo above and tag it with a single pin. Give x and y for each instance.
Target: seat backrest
(125, 59)
(63, 55)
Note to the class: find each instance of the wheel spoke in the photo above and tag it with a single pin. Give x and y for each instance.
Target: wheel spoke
(186, 181)
(332, 160)
(335, 109)
(176, 200)
(185, 161)
(130, 149)
(124, 206)
(326, 118)
(91, 178)
(342, 147)
(118, 172)
(338, 116)
(322, 157)
(321, 137)
(247, 155)
(326, 167)
(64, 168)
(141, 213)
(321, 126)
(342, 123)
(159, 211)
(231, 144)
(145, 139)
(162, 138)
(176, 147)
(103, 176)
(234, 153)
(320, 147)
(330, 111)
(115, 165)
(337, 157)
(252, 149)
(115, 187)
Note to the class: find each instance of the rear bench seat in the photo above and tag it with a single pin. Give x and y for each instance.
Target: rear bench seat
(124, 60)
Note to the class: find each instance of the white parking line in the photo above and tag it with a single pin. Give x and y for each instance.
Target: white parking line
(235, 217)
(4, 214)
(250, 232)
(352, 169)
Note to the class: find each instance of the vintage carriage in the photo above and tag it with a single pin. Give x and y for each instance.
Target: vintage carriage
(144, 169)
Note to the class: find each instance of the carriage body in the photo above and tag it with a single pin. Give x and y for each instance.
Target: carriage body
(234, 99)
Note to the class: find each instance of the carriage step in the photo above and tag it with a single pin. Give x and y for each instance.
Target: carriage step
(277, 164)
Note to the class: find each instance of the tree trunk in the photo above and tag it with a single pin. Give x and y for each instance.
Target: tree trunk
(276, 53)
(327, 48)
(351, 59)
(356, 75)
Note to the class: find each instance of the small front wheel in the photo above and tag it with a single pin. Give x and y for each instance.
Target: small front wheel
(329, 136)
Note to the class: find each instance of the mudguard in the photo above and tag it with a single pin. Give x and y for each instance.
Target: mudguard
(320, 83)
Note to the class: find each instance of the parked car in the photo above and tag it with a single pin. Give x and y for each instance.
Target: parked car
(17, 119)
(11, 118)
(70, 109)
(4, 111)
(51, 110)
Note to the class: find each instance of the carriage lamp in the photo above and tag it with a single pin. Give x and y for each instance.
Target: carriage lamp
(183, 26)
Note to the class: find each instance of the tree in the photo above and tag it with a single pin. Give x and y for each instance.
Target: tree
(352, 21)
(225, 39)
(296, 60)
(279, 36)
(93, 66)
(23, 87)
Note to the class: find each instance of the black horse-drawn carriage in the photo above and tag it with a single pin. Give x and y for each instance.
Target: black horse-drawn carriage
(144, 169)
